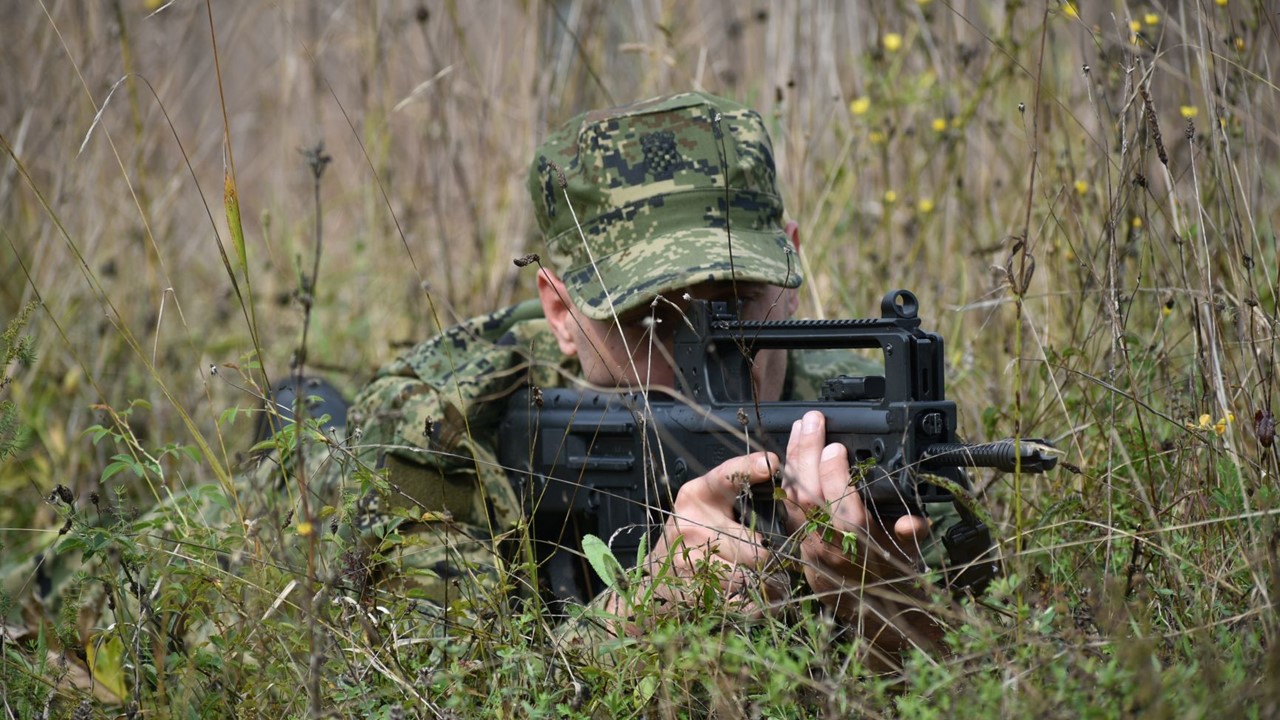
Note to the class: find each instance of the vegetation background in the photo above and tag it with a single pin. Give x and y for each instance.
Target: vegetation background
(1083, 197)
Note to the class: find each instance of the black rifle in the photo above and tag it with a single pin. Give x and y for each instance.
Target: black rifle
(609, 464)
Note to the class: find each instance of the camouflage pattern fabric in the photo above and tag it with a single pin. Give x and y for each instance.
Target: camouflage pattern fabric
(428, 420)
(656, 196)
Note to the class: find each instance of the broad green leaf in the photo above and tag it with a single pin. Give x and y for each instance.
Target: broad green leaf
(117, 467)
(106, 662)
(605, 564)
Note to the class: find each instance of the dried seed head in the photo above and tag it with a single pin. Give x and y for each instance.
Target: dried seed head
(1153, 124)
(1264, 424)
(559, 175)
(526, 260)
(316, 158)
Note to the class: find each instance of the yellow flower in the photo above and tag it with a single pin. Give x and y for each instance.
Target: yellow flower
(925, 206)
(939, 124)
(1207, 423)
(1082, 187)
(1239, 44)
(1135, 26)
(1221, 3)
(922, 3)
(1069, 9)
(876, 137)
(1220, 427)
(860, 105)
(305, 529)
(1151, 19)
(1189, 111)
(892, 42)
(1136, 222)
(890, 197)
(1165, 311)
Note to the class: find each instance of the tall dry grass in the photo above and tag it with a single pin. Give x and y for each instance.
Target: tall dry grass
(1084, 198)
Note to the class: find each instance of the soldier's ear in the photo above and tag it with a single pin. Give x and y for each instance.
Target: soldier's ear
(555, 307)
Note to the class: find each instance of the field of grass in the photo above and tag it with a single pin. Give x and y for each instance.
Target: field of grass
(1083, 196)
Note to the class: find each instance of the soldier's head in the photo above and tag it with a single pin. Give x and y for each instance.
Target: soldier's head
(645, 205)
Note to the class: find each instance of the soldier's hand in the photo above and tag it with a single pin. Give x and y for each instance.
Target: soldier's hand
(703, 539)
(860, 569)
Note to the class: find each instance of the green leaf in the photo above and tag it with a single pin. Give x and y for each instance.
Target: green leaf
(231, 202)
(268, 444)
(228, 416)
(647, 686)
(215, 495)
(122, 463)
(74, 542)
(98, 432)
(604, 563)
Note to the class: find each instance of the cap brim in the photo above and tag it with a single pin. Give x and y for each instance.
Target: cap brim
(678, 260)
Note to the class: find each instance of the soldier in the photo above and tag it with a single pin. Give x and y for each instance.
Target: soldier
(631, 202)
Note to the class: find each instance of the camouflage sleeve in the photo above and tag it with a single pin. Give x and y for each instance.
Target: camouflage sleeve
(445, 504)
(428, 430)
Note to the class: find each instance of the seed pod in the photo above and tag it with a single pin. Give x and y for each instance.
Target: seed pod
(1153, 125)
(1264, 424)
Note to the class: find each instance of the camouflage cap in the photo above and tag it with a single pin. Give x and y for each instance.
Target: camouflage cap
(668, 193)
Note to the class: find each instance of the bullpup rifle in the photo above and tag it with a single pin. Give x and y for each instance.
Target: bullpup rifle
(610, 463)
